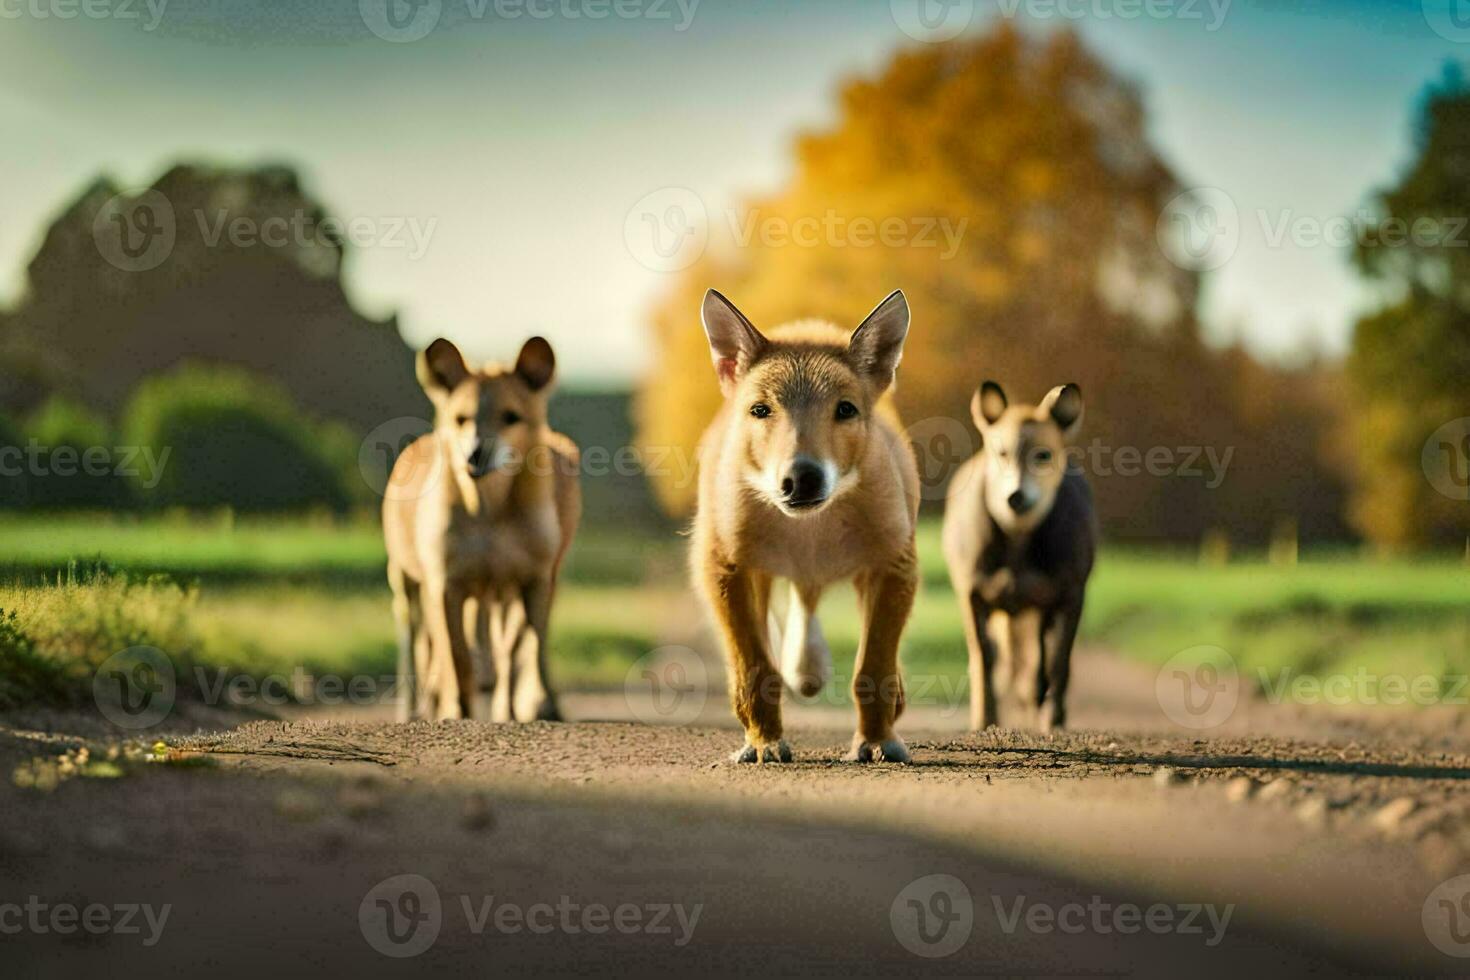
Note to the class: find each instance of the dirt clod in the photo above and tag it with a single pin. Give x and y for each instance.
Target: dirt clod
(1167, 776)
(1390, 818)
(1275, 790)
(1240, 789)
(1312, 811)
(476, 814)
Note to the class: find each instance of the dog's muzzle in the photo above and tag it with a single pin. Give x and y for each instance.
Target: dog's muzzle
(482, 459)
(805, 484)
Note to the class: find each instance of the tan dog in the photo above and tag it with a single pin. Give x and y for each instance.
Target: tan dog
(805, 475)
(478, 516)
(1019, 538)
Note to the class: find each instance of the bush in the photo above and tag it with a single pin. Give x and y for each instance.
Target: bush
(15, 479)
(221, 437)
(77, 463)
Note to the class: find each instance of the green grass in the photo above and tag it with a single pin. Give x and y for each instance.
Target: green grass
(219, 551)
(267, 597)
(55, 635)
(318, 552)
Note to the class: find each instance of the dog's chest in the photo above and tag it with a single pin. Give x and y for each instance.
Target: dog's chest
(1007, 578)
(501, 551)
(813, 551)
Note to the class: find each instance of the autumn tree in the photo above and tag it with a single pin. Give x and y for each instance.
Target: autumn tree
(1410, 360)
(1021, 199)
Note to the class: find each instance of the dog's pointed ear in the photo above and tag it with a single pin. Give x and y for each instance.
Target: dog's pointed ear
(734, 342)
(1063, 405)
(877, 344)
(987, 405)
(536, 363)
(440, 368)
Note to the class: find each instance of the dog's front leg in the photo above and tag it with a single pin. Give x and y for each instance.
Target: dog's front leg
(886, 596)
(405, 613)
(533, 698)
(738, 598)
(975, 613)
(1028, 667)
(504, 626)
(482, 654)
(450, 665)
(1056, 641)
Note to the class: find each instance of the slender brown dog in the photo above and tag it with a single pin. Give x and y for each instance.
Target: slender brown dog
(477, 518)
(1019, 538)
(805, 475)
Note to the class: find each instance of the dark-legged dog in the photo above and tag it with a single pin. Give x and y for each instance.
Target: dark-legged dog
(1019, 539)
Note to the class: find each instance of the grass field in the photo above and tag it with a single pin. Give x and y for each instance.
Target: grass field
(266, 598)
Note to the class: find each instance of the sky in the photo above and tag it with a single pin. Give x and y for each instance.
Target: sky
(508, 162)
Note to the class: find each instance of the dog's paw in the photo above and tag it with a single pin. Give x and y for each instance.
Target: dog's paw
(770, 752)
(543, 710)
(891, 749)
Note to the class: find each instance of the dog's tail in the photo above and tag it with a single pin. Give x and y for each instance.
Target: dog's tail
(806, 661)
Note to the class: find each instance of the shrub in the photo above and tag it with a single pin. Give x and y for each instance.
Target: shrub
(15, 479)
(221, 437)
(77, 464)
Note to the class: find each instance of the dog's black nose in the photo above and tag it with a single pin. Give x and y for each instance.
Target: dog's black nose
(805, 483)
(1020, 502)
(479, 459)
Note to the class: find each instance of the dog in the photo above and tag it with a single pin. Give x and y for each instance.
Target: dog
(1020, 537)
(478, 516)
(806, 475)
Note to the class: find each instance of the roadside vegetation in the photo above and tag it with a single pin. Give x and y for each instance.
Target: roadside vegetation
(305, 598)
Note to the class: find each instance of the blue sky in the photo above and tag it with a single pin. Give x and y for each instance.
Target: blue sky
(519, 144)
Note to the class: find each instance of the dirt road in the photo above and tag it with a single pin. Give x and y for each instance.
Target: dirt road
(1277, 842)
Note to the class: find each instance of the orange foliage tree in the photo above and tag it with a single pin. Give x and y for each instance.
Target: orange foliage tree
(1006, 184)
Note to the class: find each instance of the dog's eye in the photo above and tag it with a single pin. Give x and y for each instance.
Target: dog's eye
(465, 419)
(760, 410)
(511, 418)
(846, 410)
(1042, 456)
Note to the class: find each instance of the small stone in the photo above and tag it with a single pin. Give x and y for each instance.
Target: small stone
(476, 814)
(1240, 789)
(1389, 819)
(1167, 776)
(1274, 790)
(1312, 811)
